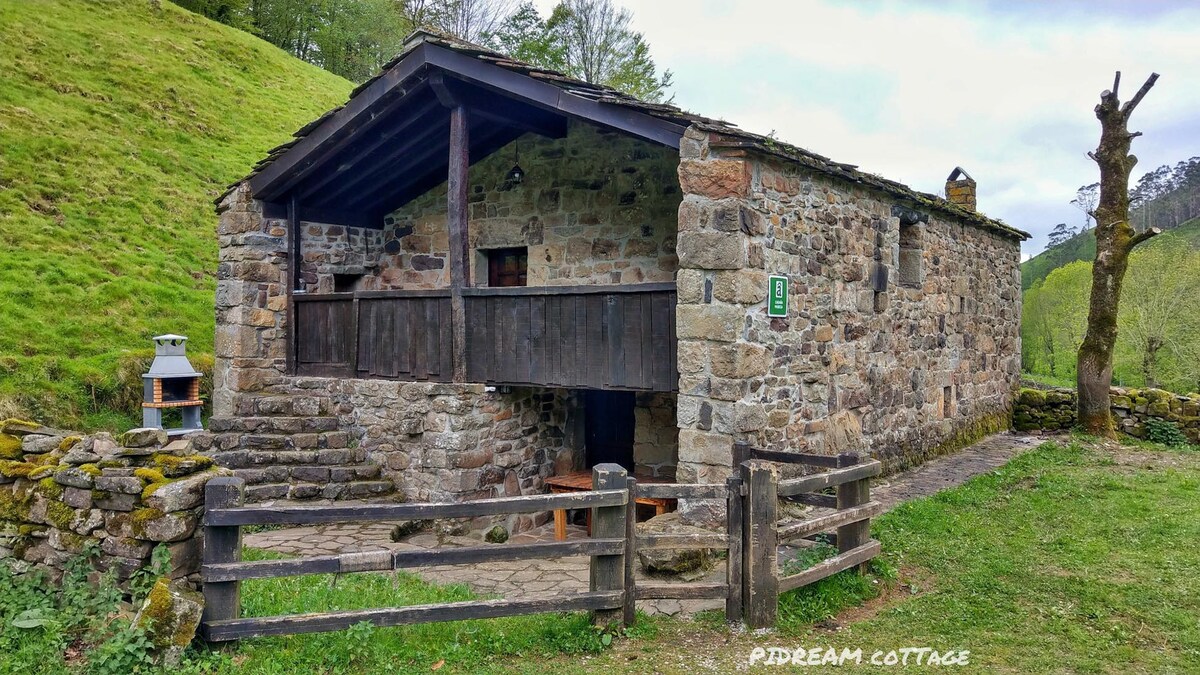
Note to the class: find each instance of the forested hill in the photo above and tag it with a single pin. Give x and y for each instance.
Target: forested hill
(120, 121)
(1167, 198)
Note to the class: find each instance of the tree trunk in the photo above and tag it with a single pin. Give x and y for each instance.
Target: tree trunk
(1150, 360)
(1115, 238)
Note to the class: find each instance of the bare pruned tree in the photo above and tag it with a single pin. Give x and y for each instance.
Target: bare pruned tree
(1115, 239)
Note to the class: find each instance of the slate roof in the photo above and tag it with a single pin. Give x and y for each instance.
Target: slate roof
(670, 113)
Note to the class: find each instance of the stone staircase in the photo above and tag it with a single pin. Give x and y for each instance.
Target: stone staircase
(284, 456)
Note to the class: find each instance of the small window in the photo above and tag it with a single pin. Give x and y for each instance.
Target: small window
(910, 266)
(507, 266)
(947, 402)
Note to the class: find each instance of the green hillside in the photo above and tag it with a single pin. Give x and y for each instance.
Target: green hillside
(1083, 247)
(120, 121)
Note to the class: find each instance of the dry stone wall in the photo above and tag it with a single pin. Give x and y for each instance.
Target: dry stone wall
(899, 370)
(1055, 410)
(63, 493)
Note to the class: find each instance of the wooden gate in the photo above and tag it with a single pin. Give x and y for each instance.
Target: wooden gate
(852, 509)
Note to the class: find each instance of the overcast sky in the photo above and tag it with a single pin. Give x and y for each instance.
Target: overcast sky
(911, 89)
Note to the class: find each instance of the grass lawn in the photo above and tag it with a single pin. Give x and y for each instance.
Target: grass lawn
(1077, 558)
(120, 121)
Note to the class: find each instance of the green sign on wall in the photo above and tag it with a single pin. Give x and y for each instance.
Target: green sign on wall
(777, 296)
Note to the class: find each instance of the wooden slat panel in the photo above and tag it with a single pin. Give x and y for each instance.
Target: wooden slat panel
(660, 338)
(342, 564)
(830, 566)
(597, 339)
(323, 340)
(304, 514)
(827, 522)
(234, 629)
(537, 339)
(829, 478)
(417, 334)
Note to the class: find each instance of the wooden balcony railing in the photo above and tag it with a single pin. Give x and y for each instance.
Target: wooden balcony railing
(597, 337)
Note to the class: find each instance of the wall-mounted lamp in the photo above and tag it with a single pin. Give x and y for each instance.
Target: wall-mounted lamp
(516, 174)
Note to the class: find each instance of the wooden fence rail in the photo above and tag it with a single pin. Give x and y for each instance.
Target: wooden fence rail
(752, 534)
(610, 549)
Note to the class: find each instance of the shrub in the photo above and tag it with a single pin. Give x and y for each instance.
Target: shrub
(1165, 433)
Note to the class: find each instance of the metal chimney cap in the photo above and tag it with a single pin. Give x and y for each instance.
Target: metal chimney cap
(170, 359)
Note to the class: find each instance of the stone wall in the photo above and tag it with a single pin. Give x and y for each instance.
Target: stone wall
(430, 442)
(655, 435)
(595, 207)
(900, 371)
(62, 493)
(1055, 410)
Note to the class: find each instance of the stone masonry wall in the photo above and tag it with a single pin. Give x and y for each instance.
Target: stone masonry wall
(1055, 410)
(900, 373)
(332, 438)
(655, 435)
(595, 207)
(63, 494)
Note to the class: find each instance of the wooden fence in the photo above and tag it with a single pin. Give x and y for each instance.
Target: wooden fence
(852, 509)
(750, 590)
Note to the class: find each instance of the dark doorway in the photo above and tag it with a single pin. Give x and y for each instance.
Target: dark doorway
(608, 427)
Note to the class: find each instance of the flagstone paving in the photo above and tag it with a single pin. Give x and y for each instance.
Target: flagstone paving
(513, 579)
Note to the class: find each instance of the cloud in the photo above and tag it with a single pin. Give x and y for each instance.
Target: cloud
(912, 90)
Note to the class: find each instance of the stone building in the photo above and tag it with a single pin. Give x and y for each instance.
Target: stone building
(478, 274)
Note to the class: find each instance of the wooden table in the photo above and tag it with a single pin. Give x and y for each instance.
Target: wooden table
(581, 481)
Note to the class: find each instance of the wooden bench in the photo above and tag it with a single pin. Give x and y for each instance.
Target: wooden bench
(581, 481)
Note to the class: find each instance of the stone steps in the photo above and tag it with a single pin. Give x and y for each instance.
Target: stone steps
(309, 491)
(309, 474)
(292, 447)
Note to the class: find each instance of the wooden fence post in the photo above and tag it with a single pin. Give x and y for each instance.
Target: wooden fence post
(733, 523)
(849, 495)
(630, 609)
(608, 571)
(222, 600)
(760, 573)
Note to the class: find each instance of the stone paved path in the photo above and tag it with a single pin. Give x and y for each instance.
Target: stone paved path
(511, 579)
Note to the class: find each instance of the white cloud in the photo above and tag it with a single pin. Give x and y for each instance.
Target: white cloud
(1007, 96)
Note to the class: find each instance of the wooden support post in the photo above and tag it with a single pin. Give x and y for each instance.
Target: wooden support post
(222, 544)
(457, 187)
(741, 453)
(760, 573)
(849, 495)
(292, 282)
(354, 317)
(733, 571)
(608, 571)
(630, 608)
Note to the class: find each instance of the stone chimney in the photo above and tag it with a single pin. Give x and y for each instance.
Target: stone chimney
(960, 189)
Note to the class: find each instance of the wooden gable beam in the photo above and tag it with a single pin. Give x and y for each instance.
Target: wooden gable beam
(550, 97)
(338, 130)
(485, 143)
(310, 190)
